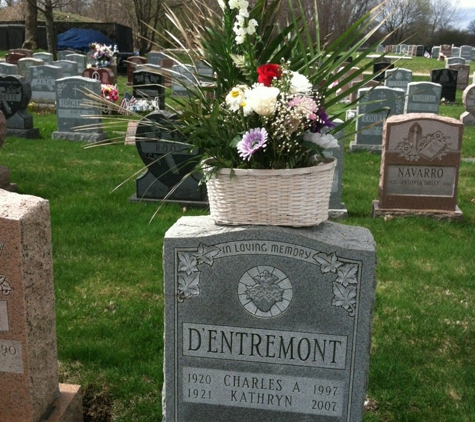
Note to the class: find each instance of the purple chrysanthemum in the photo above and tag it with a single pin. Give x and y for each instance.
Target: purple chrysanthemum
(252, 141)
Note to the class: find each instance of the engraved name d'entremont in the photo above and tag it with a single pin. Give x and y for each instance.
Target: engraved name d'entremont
(245, 344)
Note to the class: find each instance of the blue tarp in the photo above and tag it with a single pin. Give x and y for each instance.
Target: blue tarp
(80, 39)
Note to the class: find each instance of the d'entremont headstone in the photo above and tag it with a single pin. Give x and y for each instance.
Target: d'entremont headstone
(29, 386)
(267, 323)
(420, 166)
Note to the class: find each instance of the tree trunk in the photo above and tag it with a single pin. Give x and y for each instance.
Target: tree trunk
(31, 27)
(50, 34)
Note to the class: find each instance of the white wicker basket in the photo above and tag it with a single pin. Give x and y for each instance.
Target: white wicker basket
(291, 197)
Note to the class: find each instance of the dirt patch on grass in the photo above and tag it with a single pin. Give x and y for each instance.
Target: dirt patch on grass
(97, 404)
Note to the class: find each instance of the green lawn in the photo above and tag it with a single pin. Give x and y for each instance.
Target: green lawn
(109, 295)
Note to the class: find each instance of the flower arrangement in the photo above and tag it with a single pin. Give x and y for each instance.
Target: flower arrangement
(103, 54)
(266, 105)
(109, 92)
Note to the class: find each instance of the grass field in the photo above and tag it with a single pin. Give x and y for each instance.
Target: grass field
(109, 295)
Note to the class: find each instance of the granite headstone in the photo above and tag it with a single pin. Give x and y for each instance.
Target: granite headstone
(267, 323)
(420, 166)
(25, 64)
(168, 162)
(80, 59)
(8, 69)
(43, 82)
(397, 78)
(463, 75)
(448, 79)
(29, 386)
(423, 97)
(468, 100)
(374, 107)
(149, 85)
(68, 67)
(42, 55)
(79, 117)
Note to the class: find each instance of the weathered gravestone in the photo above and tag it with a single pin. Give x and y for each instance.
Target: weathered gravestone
(419, 51)
(397, 78)
(79, 117)
(420, 166)
(46, 57)
(374, 107)
(168, 161)
(183, 76)
(80, 59)
(148, 85)
(435, 52)
(454, 60)
(25, 64)
(8, 69)
(267, 323)
(4, 171)
(423, 97)
(63, 53)
(468, 99)
(43, 82)
(29, 386)
(448, 79)
(463, 75)
(466, 52)
(455, 51)
(68, 67)
(13, 58)
(15, 94)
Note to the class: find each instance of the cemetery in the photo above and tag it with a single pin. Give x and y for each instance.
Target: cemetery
(122, 298)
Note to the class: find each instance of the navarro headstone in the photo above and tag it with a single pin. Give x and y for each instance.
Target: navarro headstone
(420, 166)
(267, 323)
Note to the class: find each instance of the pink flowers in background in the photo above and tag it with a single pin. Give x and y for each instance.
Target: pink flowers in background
(110, 92)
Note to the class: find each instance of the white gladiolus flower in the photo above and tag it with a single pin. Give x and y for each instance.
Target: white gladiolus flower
(262, 99)
(299, 84)
(251, 26)
(326, 141)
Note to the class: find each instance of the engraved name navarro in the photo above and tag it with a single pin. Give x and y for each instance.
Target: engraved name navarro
(284, 347)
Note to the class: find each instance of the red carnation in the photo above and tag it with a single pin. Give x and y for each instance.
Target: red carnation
(267, 72)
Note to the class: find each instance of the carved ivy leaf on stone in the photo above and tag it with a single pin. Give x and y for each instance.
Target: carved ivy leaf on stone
(188, 285)
(347, 274)
(206, 254)
(187, 263)
(5, 287)
(328, 263)
(344, 297)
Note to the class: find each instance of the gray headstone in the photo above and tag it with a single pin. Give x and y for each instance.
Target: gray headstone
(423, 97)
(454, 60)
(43, 81)
(182, 77)
(8, 68)
(472, 55)
(455, 52)
(155, 57)
(375, 107)
(46, 57)
(25, 64)
(267, 323)
(397, 78)
(75, 109)
(63, 53)
(466, 52)
(420, 164)
(68, 67)
(80, 59)
(435, 52)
